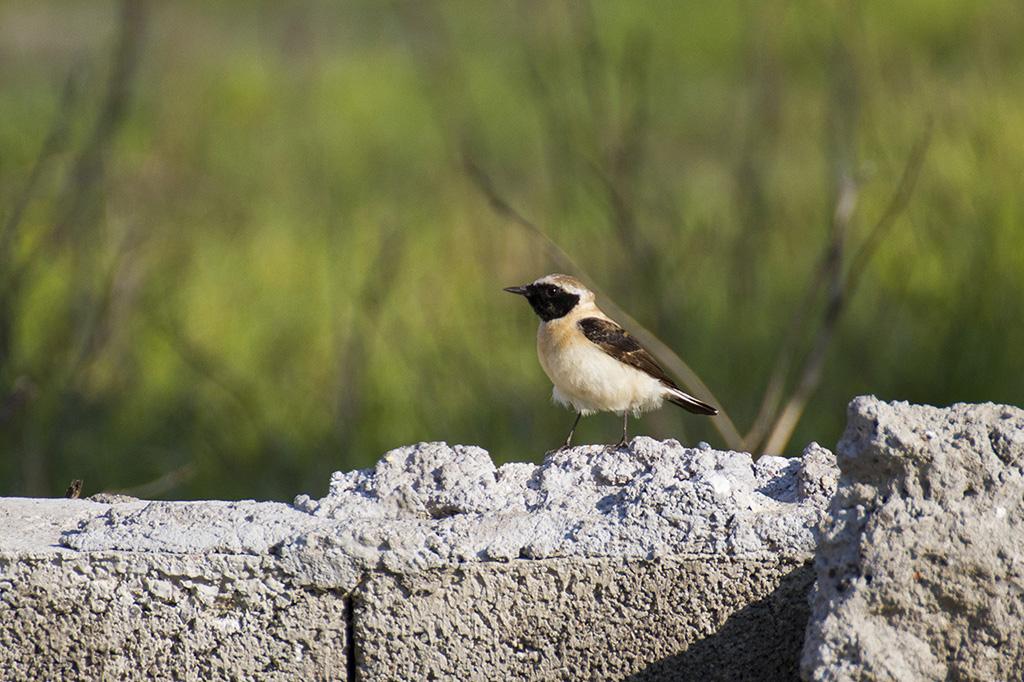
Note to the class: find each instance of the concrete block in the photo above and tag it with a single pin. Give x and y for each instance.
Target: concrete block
(158, 616)
(586, 619)
(920, 567)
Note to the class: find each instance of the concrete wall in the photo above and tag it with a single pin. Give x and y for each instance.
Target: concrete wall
(114, 616)
(656, 563)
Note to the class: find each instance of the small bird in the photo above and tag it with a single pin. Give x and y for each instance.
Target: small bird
(595, 365)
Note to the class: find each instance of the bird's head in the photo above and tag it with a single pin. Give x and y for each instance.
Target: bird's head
(554, 296)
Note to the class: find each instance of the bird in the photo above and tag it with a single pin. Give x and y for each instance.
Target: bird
(595, 364)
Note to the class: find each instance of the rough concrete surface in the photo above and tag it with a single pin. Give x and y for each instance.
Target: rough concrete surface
(141, 616)
(652, 562)
(449, 505)
(586, 619)
(920, 570)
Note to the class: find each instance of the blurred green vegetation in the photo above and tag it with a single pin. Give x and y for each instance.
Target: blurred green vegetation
(240, 248)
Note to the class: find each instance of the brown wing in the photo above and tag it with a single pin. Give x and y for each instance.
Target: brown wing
(617, 342)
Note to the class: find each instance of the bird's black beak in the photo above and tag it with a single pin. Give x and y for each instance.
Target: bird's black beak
(516, 290)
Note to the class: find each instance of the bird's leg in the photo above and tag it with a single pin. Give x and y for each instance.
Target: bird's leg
(571, 431)
(624, 442)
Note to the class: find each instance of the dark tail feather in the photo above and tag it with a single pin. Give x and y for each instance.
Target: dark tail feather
(689, 403)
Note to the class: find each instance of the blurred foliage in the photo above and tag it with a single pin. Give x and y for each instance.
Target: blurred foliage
(239, 248)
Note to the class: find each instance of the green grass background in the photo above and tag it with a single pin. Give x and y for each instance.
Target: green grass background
(279, 265)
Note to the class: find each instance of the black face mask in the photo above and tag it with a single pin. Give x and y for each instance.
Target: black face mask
(550, 302)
